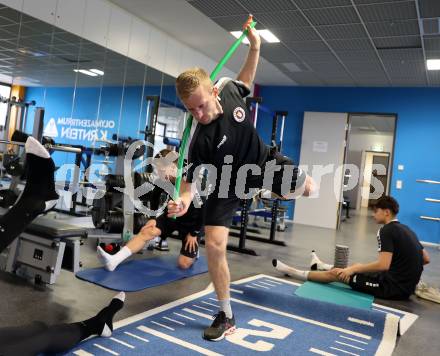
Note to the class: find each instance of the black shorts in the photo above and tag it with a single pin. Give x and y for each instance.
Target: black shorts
(220, 211)
(168, 225)
(376, 284)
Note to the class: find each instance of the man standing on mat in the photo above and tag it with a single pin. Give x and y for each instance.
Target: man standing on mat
(397, 270)
(226, 140)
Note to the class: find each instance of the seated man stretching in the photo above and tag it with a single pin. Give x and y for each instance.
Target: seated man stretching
(188, 226)
(397, 270)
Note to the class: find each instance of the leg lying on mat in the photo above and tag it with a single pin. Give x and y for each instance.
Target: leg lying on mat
(399, 265)
(376, 284)
(136, 244)
(315, 276)
(38, 196)
(39, 338)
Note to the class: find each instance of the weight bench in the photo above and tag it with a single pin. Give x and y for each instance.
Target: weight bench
(46, 246)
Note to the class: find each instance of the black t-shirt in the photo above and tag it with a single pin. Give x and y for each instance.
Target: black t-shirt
(232, 133)
(407, 261)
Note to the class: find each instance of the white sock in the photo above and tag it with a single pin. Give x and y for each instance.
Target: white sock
(36, 148)
(317, 264)
(225, 305)
(290, 271)
(110, 262)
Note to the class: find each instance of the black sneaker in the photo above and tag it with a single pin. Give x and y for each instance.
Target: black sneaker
(221, 327)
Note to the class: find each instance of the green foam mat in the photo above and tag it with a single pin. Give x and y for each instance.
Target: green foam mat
(336, 293)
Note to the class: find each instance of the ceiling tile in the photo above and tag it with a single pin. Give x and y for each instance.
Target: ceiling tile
(348, 45)
(7, 45)
(219, 8)
(36, 27)
(230, 23)
(317, 4)
(342, 31)
(306, 46)
(5, 21)
(357, 56)
(306, 78)
(10, 14)
(321, 56)
(296, 34)
(281, 19)
(12, 29)
(332, 16)
(396, 42)
(365, 68)
(278, 53)
(432, 44)
(432, 54)
(411, 54)
(388, 11)
(434, 77)
(390, 28)
(258, 6)
(371, 2)
(409, 81)
(405, 68)
(430, 26)
(429, 8)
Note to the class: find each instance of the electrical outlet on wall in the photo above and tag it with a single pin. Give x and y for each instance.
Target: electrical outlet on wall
(399, 184)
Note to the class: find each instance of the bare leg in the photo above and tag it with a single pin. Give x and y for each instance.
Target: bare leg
(137, 243)
(323, 276)
(315, 276)
(216, 241)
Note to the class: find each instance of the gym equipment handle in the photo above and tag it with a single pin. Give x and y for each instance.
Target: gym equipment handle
(48, 146)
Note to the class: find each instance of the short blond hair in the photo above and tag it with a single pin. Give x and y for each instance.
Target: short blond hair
(188, 81)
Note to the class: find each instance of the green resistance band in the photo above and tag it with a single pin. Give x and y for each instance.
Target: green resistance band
(187, 130)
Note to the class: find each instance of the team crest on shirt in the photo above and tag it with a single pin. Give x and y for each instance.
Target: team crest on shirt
(239, 114)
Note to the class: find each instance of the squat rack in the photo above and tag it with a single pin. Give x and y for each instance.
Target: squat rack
(254, 105)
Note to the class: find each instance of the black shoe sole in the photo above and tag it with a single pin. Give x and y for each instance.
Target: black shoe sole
(225, 333)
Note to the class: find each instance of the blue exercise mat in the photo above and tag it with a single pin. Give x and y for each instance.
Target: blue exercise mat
(136, 275)
(337, 293)
(271, 321)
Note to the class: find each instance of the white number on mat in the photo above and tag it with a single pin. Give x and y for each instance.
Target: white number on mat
(277, 332)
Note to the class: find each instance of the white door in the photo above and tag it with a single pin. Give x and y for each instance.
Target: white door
(322, 155)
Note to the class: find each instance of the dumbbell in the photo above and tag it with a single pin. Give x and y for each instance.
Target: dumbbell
(114, 180)
(114, 222)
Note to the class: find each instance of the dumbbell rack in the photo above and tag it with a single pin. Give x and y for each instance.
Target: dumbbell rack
(115, 212)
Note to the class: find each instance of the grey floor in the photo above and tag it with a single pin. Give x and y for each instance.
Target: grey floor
(72, 300)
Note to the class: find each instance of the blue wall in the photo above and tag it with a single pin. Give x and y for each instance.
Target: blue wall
(417, 139)
(84, 103)
(417, 144)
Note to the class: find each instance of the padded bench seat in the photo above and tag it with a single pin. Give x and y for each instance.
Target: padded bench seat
(53, 228)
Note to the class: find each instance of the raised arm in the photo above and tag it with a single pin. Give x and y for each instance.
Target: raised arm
(247, 73)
